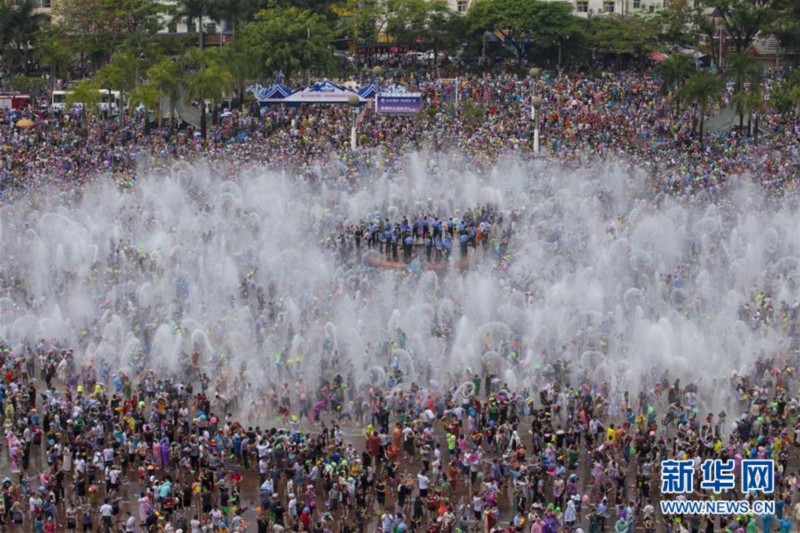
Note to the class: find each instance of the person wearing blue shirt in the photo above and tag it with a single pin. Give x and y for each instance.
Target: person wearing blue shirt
(408, 246)
(766, 522)
(394, 239)
(387, 236)
(437, 241)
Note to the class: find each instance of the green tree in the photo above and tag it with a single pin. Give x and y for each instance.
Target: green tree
(140, 18)
(119, 74)
(95, 28)
(149, 96)
(742, 69)
(365, 20)
(787, 24)
(425, 24)
(53, 51)
(414, 21)
(785, 96)
(199, 10)
(238, 61)
(210, 83)
(19, 23)
(677, 23)
(544, 23)
(167, 76)
(27, 84)
(703, 89)
(235, 13)
(618, 34)
(674, 72)
(87, 95)
(743, 19)
(755, 106)
(290, 40)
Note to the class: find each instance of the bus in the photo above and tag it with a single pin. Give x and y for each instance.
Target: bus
(110, 101)
(15, 101)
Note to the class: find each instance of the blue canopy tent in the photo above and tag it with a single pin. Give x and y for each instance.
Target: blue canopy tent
(274, 94)
(323, 92)
(368, 92)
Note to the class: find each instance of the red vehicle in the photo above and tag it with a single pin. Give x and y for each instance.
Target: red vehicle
(15, 101)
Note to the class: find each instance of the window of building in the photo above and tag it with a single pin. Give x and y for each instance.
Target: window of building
(583, 7)
(462, 6)
(637, 4)
(211, 27)
(608, 7)
(652, 8)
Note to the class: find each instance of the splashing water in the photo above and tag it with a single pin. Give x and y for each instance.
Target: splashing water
(239, 278)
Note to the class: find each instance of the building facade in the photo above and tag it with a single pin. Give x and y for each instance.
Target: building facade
(586, 8)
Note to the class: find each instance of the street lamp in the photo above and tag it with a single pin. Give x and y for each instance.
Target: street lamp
(377, 72)
(536, 102)
(560, 43)
(353, 100)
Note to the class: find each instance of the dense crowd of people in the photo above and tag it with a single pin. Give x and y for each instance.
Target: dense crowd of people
(89, 452)
(94, 448)
(623, 115)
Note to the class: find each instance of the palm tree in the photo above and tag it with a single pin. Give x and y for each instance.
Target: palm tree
(167, 76)
(794, 95)
(740, 68)
(51, 50)
(755, 106)
(87, 94)
(674, 72)
(703, 89)
(195, 9)
(148, 95)
(18, 25)
(118, 74)
(211, 82)
(236, 13)
(239, 62)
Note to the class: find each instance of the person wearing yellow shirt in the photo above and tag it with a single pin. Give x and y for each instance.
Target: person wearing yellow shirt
(611, 435)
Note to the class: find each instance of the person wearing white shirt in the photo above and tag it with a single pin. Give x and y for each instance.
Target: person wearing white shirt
(216, 517)
(130, 523)
(262, 449)
(293, 508)
(423, 482)
(195, 524)
(106, 511)
(80, 465)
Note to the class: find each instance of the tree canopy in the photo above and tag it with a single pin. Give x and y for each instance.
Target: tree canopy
(290, 40)
(523, 23)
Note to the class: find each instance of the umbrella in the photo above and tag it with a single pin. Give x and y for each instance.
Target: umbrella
(25, 123)
(658, 57)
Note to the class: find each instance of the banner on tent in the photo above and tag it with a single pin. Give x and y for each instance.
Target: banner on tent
(399, 104)
(324, 92)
